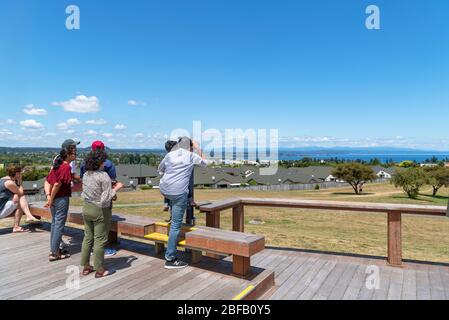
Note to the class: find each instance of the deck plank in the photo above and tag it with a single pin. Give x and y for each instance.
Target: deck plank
(423, 285)
(340, 288)
(357, 282)
(318, 280)
(396, 284)
(409, 285)
(25, 273)
(293, 278)
(328, 285)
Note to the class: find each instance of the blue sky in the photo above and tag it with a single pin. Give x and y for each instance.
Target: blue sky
(310, 69)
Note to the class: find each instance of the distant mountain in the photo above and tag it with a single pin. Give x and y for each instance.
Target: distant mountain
(351, 150)
(302, 150)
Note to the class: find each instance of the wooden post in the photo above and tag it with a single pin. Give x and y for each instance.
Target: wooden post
(159, 248)
(238, 218)
(213, 219)
(394, 239)
(196, 256)
(241, 266)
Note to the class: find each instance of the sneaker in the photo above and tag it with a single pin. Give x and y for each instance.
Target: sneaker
(64, 245)
(175, 264)
(108, 252)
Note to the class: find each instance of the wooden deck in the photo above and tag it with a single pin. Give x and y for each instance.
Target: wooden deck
(25, 273)
(319, 276)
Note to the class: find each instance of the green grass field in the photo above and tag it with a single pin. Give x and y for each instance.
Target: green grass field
(424, 238)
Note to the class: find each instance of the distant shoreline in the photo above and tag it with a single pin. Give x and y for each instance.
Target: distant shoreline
(384, 155)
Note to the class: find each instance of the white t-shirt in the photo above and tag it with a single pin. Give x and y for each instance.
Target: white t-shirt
(74, 167)
(177, 167)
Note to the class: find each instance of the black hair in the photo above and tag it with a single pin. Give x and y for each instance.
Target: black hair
(62, 156)
(169, 145)
(185, 143)
(95, 159)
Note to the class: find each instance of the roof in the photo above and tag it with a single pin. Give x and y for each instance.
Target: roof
(315, 172)
(377, 169)
(210, 176)
(33, 185)
(136, 171)
(127, 181)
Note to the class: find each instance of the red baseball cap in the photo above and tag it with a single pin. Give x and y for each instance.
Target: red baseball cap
(97, 145)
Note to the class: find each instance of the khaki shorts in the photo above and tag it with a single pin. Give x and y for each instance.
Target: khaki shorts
(9, 209)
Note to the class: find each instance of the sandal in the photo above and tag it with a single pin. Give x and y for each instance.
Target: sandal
(88, 270)
(53, 258)
(20, 230)
(34, 221)
(103, 274)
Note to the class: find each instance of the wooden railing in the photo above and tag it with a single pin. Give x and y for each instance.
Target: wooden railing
(394, 215)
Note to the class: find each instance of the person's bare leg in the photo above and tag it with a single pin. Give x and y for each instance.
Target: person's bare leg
(25, 207)
(17, 218)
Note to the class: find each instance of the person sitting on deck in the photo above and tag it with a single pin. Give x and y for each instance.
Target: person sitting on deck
(98, 195)
(13, 200)
(177, 167)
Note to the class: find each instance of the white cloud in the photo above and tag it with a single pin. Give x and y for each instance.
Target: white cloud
(71, 131)
(5, 132)
(120, 127)
(31, 125)
(80, 104)
(31, 110)
(73, 122)
(91, 133)
(140, 136)
(62, 126)
(107, 135)
(68, 124)
(50, 134)
(133, 102)
(98, 122)
(10, 121)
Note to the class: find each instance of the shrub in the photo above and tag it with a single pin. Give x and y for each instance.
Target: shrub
(411, 181)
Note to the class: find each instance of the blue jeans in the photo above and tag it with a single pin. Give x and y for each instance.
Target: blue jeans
(178, 204)
(59, 212)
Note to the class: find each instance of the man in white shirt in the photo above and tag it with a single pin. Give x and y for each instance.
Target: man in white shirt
(177, 167)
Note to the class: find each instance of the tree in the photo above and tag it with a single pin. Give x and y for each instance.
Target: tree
(437, 177)
(407, 164)
(411, 180)
(354, 173)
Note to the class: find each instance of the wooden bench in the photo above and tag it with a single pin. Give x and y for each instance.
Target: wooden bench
(75, 216)
(242, 246)
(197, 239)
